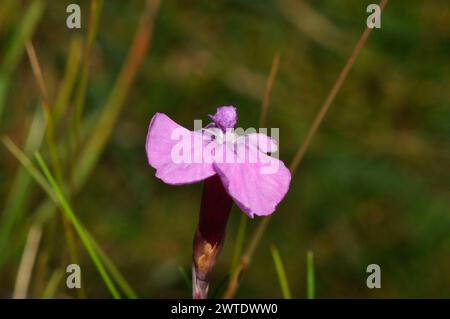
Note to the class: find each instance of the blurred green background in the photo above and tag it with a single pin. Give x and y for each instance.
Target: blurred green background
(374, 187)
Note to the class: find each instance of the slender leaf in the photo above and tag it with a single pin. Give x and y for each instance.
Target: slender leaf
(16, 49)
(185, 277)
(84, 236)
(48, 208)
(310, 284)
(239, 244)
(282, 279)
(15, 206)
(52, 285)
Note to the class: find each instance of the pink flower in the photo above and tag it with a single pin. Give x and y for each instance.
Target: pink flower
(235, 168)
(253, 190)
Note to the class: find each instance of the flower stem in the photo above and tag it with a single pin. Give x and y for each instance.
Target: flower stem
(210, 234)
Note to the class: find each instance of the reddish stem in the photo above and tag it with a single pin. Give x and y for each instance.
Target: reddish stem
(210, 234)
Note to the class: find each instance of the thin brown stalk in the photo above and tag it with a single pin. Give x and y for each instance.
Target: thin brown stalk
(27, 262)
(141, 43)
(262, 122)
(37, 72)
(248, 254)
(268, 90)
(94, 17)
(32, 57)
(51, 143)
(330, 98)
(74, 139)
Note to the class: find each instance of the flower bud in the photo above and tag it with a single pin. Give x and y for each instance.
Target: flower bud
(210, 234)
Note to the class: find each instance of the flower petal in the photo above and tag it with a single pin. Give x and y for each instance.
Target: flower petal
(261, 141)
(165, 140)
(257, 188)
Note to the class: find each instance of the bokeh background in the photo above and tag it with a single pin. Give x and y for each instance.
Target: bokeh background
(374, 187)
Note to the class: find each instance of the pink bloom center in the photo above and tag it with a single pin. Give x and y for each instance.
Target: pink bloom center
(225, 117)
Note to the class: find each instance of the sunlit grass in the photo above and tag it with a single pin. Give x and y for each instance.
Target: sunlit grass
(85, 238)
(49, 184)
(281, 273)
(352, 163)
(71, 167)
(310, 277)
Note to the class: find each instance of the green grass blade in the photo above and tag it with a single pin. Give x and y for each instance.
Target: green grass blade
(110, 112)
(22, 35)
(84, 236)
(15, 51)
(53, 149)
(47, 210)
(282, 279)
(52, 284)
(14, 211)
(221, 286)
(115, 273)
(68, 82)
(185, 277)
(24, 160)
(4, 86)
(310, 284)
(94, 19)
